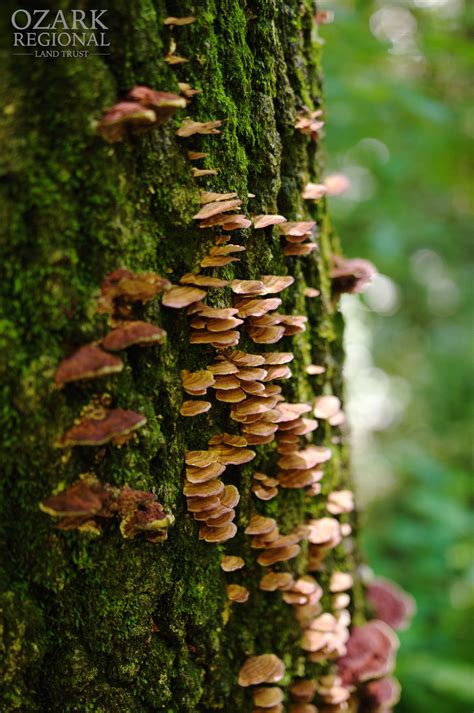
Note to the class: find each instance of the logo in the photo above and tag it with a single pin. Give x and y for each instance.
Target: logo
(62, 33)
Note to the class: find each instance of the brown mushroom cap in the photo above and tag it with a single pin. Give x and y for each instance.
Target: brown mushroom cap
(216, 208)
(263, 221)
(85, 497)
(267, 697)
(381, 695)
(313, 191)
(266, 668)
(88, 362)
(200, 459)
(303, 691)
(164, 104)
(123, 286)
(301, 249)
(297, 228)
(190, 127)
(218, 534)
(351, 275)
(230, 496)
(196, 380)
(229, 563)
(129, 334)
(256, 307)
(202, 281)
(209, 197)
(276, 581)
(203, 490)
(390, 603)
(243, 359)
(326, 406)
(194, 408)
(247, 287)
(370, 653)
(113, 424)
(305, 459)
(260, 525)
(237, 593)
(178, 297)
(123, 115)
(276, 283)
(281, 554)
(340, 582)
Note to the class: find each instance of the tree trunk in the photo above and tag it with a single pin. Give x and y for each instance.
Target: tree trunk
(102, 622)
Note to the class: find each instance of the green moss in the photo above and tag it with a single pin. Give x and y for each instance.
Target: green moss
(102, 623)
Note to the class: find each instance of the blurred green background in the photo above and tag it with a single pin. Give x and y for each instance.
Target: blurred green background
(400, 124)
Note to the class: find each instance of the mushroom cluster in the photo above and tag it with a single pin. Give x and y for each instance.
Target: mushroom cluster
(87, 503)
(263, 669)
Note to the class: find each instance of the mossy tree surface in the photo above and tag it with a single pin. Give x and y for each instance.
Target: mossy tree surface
(103, 623)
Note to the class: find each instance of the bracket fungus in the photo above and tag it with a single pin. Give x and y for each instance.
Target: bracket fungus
(116, 425)
(390, 603)
(351, 275)
(266, 668)
(88, 362)
(133, 333)
(370, 653)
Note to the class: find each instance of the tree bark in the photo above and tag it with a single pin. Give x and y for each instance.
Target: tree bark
(103, 623)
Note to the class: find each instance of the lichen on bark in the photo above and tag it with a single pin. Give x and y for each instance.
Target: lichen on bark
(102, 623)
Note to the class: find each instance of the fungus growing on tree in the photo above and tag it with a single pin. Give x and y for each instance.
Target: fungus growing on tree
(190, 127)
(194, 408)
(390, 603)
(124, 118)
(303, 691)
(230, 563)
(266, 668)
(237, 593)
(179, 297)
(370, 653)
(263, 221)
(179, 21)
(88, 362)
(116, 425)
(267, 697)
(134, 333)
(164, 104)
(313, 191)
(309, 123)
(351, 275)
(380, 695)
(336, 184)
(122, 287)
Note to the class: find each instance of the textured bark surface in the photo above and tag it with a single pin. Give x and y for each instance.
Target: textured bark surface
(103, 623)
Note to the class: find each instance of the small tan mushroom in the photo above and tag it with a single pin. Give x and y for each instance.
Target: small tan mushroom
(89, 362)
(326, 406)
(340, 582)
(194, 408)
(114, 425)
(230, 396)
(218, 534)
(276, 283)
(220, 519)
(305, 459)
(133, 333)
(228, 455)
(201, 475)
(223, 368)
(266, 668)
(314, 369)
(267, 697)
(229, 563)
(313, 191)
(178, 21)
(187, 90)
(217, 261)
(216, 208)
(301, 249)
(303, 691)
(266, 335)
(311, 292)
(340, 501)
(336, 183)
(281, 554)
(237, 593)
(198, 172)
(203, 490)
(230, 496)
(273, 581)
(124, 116)
(256, 307)
(196, 380)
(260, 525)
(226, 383)
(297, 229)
(200, 459)
(178, 297)
(172, 58)
(238, 222)
(196, 155)
(190, 127)
(247, 287)
(209, 197)
(263, 221)
(203, 504)
(244, 359)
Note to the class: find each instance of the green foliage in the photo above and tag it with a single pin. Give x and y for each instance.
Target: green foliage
(412, 218)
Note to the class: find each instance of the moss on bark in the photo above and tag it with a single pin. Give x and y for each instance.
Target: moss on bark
(101, 623)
